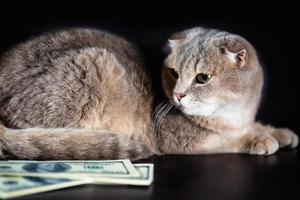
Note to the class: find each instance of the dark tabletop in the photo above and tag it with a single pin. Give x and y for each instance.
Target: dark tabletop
(204, 177)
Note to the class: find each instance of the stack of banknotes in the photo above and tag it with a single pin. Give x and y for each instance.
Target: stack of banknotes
(20, 178)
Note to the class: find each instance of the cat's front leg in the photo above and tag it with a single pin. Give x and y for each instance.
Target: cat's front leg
(266, 140)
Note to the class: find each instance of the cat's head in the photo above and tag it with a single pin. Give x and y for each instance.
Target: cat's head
(212, 73)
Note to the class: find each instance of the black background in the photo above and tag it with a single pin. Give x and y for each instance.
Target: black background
(271, 27)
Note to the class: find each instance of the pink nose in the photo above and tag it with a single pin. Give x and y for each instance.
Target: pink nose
(179, 96)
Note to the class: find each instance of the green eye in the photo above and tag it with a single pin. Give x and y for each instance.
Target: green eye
(203, 78)
(174, 73)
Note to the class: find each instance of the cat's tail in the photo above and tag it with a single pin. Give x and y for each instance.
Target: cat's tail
(68, 144)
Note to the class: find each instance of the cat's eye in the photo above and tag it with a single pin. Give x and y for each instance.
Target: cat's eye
(203, 78)
(174, 73)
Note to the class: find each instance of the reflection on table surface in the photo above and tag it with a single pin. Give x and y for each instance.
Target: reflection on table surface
(229, 176)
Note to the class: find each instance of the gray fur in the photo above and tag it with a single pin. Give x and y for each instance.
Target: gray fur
(79, 78)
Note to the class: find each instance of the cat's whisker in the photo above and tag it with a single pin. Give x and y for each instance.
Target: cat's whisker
(162, 117)
(163, 112)
(159, 110)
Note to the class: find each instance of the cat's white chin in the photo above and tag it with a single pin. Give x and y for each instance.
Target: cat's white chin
(196, 111)
(233, 113)
(196, 108)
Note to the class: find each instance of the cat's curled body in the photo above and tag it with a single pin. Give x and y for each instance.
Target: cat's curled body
(84, 94)
(89, 83)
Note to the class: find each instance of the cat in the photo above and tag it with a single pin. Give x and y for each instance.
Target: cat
(85, 94)
(215, 81)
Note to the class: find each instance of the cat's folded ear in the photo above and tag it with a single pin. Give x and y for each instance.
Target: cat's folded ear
(239, 57)
(174, 41)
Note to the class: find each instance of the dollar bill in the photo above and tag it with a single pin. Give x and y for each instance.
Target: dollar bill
(16, 186)
(70, 169)
(145, 179)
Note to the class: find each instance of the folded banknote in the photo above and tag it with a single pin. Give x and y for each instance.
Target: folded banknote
(70, 169)
(16, 186)
(19, 178)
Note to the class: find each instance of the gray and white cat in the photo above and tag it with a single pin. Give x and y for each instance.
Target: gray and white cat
(85, 94)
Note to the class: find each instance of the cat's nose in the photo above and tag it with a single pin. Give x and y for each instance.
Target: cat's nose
(179, 96)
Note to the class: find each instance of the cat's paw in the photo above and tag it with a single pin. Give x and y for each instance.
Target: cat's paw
(286, 137)
(263, 145)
